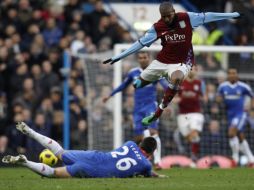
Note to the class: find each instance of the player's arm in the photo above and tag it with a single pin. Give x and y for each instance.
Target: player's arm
(146, 40)
(219, 95)
(249, 92)
(198, 19)
(202, 92)
(154, 174)
(127, 81)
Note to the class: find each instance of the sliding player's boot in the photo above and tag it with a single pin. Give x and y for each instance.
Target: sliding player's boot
(23, 127)
(14, 159)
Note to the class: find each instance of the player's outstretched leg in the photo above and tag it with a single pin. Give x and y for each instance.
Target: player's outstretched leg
(169, 94)
(234, 145)
(245, 149)
(20, 159)
(39, 168)
(43, 140)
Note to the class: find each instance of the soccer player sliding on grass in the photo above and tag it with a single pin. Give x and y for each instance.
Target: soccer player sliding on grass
(176, 57)
(127, 161)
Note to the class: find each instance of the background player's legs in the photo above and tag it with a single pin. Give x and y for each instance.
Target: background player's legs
(245, 148)
(194, 140)
(234, 143)
(43, 140)
(157, 152)
(196, 121)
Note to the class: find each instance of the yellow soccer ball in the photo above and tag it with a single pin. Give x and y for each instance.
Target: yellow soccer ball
(47, 157)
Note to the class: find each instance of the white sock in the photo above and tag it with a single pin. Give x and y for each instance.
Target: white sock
(245, 149)
(40, 168)
(147, 133)
(46, 142)
(157, 152)
(234, 144)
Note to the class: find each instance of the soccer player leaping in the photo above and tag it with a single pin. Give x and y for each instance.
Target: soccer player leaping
(176, 57)
(127, 161)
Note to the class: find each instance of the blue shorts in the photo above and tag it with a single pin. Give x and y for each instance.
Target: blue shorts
(77, 162)
(139, 114)
(238, 121)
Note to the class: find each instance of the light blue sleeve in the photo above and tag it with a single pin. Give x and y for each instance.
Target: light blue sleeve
(198, 19)
(146, 40)
(149, 37)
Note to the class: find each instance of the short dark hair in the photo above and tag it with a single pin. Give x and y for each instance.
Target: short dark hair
(148, 144)
(165, 4)
(232, 68)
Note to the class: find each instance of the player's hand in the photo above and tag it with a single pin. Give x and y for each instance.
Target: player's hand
(111, 61)
(241, 15)
(162, 176)
(105, 99)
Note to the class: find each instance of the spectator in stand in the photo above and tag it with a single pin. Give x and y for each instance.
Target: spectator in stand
(40, 125)
(211, 140)
(52, 33)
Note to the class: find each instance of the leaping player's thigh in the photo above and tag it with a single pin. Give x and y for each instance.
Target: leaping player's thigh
(176, 67)
(196, 121)
(154, 71)
(183, 124)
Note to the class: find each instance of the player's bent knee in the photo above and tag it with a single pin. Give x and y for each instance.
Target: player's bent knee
(61, 172)
(177, 76)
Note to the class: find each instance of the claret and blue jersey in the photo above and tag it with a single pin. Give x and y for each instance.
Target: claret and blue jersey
(195, 19)
(234, 97)
(126, 161)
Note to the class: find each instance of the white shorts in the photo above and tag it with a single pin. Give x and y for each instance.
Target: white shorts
(190, 121)
(157, 69)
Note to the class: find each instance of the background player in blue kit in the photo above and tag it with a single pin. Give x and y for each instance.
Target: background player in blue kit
(127, 161)
(233, 94)
(145, 103)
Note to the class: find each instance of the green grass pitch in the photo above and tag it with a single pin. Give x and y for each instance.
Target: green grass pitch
(184, 179)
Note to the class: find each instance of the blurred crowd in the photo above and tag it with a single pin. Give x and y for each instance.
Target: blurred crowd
(33, 36)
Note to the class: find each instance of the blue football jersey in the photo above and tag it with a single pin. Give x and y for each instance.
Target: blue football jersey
(143, 96)
(126, 161)
(234, 96)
